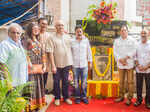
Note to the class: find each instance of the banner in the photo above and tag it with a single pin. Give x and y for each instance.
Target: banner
(11, 9)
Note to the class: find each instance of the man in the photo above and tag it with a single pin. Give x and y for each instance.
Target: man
(59, 50)
(143, 69)
(44, 35)
(124, 52)
(82, 54)
(13, 57)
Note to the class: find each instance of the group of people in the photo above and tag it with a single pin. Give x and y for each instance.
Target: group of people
(132, 55)
(30, 57)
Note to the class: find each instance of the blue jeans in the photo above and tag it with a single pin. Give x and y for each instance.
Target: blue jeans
(80, 73)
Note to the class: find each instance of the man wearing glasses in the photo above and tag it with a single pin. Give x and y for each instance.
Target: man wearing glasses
(124, 52)
(13, 57)
(58, 48)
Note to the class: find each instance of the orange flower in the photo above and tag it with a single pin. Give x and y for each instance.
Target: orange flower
(102, 4)
(115, 11)
(98, 21)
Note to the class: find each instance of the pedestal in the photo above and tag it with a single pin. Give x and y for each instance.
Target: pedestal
(103, 88)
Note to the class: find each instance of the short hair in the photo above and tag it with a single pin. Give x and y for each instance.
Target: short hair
(42, 18)
(78, 26)
(15, 25)
(125, 26)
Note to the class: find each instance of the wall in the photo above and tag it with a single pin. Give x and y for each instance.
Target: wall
(60, 10)
(3, 34)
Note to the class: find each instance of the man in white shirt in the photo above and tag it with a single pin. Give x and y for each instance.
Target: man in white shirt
(143, 69)
(81, 53)
(124, 52)
(13, 57)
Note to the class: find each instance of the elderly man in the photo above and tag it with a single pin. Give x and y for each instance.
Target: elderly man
(124, 52)
(81, 52)
(143, 69)
(59, 49)
(12, 55)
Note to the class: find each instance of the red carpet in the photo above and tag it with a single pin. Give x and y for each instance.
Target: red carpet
(95, 105)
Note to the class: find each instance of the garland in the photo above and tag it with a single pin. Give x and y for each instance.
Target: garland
(113, 61)
(110, 52)
(108, 65)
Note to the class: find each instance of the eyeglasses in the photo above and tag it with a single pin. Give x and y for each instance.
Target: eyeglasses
(59, 25)
(16, 33)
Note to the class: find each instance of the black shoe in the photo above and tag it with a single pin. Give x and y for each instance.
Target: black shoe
(128, 102)
(85, 101)
(49, 92)
(148, 106)
(137, 103)
(77, 100)
(120, 99)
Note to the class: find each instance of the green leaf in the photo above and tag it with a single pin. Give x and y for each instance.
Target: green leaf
(129, 24)
(90, 12)
(90, 18)
(114, 5)
(99, 26)
(92, 6)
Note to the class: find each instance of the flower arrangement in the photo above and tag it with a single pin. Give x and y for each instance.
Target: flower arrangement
(104, 13)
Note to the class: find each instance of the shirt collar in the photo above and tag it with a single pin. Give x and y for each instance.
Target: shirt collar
(123, 39)
(13, 42)
(143, 43)
(83, 37)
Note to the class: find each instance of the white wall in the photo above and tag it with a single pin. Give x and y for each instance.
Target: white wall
(79, 10)
(130, 15)
(3, 34)
(130, 11)
(65, 13)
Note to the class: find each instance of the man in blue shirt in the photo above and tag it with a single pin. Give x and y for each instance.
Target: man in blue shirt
(12, 55)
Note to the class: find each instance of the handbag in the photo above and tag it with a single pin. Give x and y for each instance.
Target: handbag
(35, 69)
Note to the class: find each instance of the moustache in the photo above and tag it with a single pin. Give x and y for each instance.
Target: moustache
(79, 34)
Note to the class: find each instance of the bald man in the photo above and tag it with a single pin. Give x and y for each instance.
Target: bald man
(143, 69)
(58, 48)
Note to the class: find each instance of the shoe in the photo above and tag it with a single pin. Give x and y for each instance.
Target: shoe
(57, 102)
(85, 101)
(77, 100)
(137, 103)
(120, 99)
(46, 91)
(148, 106)
(128, 102)
(68, 101)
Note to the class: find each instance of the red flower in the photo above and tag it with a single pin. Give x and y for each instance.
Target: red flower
(104, 14)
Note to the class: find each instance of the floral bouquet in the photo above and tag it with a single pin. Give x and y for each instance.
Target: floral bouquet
(104, 13)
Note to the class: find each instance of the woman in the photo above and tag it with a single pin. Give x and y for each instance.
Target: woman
(37, 65)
